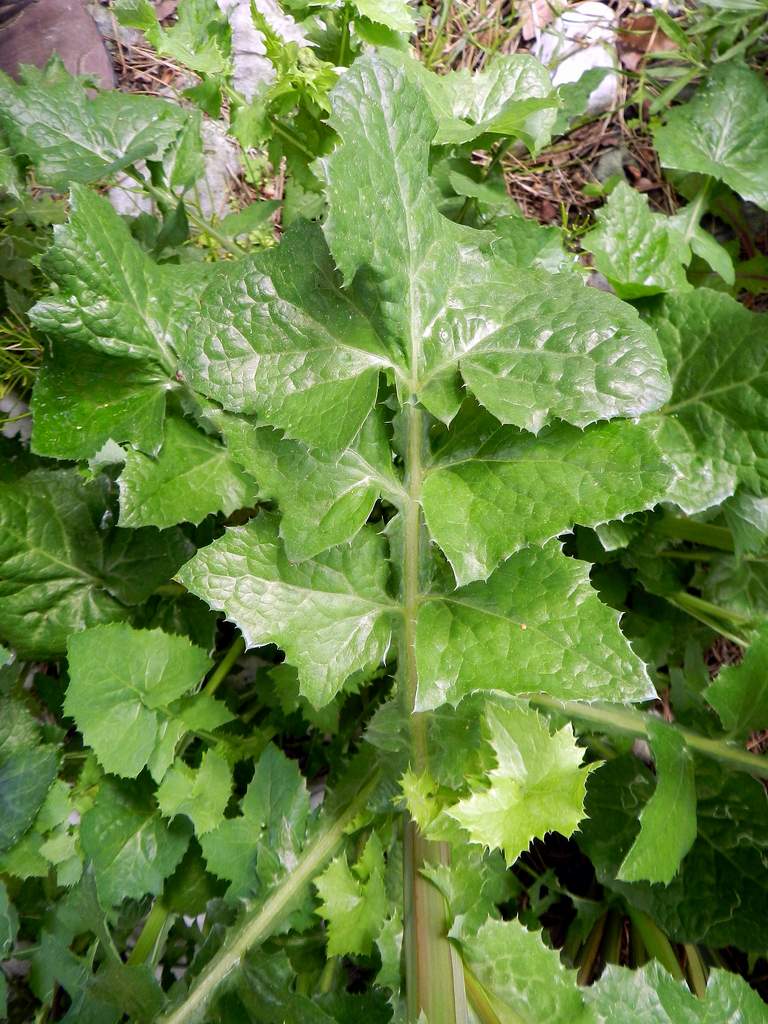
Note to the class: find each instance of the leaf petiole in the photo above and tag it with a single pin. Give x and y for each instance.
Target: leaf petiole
(258, 924)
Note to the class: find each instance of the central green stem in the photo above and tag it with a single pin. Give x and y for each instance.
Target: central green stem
(433, 973)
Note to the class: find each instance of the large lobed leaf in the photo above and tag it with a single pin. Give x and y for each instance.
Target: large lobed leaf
(529, 345)
(536, 625)
(69, 136)
(482, 506)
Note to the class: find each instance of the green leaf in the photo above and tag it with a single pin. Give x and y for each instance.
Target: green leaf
(525, 981)
(535, 625)
(656, 854)
(254, 850)
(721, 131)
(324, 498)
(202, 794)
(651, 996)
(394, 14)
(511, 96)
(474, 884)
(111, 295)
(637, 251)
(82, 400)
(716, 353)
(483, 506)
(50, 841)
(196, 39)
(130, 693)
(68, 136)
(330, 614)
(63, 568)
(726, 863)
(739, 693)
(353, 900)
(523, 243)
(131, 989)
(9, 922)
(138, 14)
(133, 850)
(747, 518)
(537, 786)
(26, 775)
(709, 249)
(530, 347)
(191, 477)
(276, 336)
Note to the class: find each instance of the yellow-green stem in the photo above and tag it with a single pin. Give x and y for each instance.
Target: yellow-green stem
(613, 718)
(434, 976)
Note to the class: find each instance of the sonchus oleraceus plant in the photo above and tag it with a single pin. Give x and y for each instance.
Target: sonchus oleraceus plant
(415, 419)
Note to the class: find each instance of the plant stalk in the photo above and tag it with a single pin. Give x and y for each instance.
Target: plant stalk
(258, 924)
(683, 528)
(433, 972)
(611, 718)
(224, 667)
(656, 942)
(152, 934)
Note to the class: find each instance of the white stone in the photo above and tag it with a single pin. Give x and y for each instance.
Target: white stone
(251, 67)
(582, 38)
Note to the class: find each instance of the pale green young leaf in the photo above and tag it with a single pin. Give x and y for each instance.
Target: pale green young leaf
(70, 136)
(275, 335)
(524, 980)
(82, 400)
(652, 996)
(190, 714)
(330, 614)
(637, 250)
(255, 849)
(474, 884)
(354, 900)
(132, 848)
(517, 489)
(537, 786)
(739, 693)
(659, 847)
(394, 14)
(530, 346)
(324, 499)
(192, 476)
(536, 625)
(200, 793)
(63, 568)
(722, 131)
(129, 693)
(717, 359)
